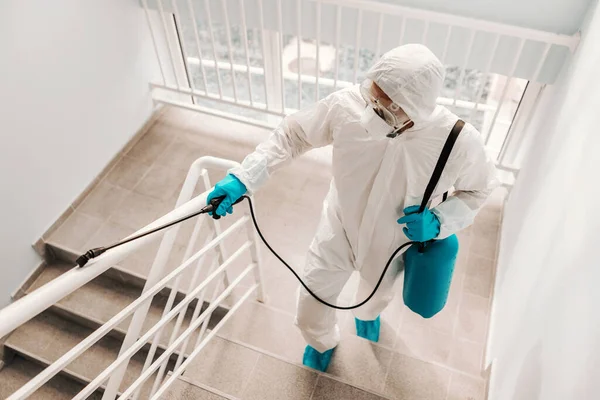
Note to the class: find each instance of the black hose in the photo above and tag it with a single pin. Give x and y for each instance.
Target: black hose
(387, 265)
(213, 204)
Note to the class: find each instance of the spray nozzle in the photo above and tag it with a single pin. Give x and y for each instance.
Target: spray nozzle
(214, 203)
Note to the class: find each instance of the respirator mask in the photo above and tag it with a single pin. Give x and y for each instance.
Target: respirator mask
(380, 117)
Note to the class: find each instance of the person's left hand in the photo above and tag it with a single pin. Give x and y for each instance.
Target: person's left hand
(420, 227)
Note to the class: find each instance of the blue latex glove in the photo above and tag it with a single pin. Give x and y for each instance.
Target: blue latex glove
(420, 227)
(232, 189)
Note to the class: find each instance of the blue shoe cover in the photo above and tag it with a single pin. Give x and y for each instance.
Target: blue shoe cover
(315, 360)
(368, 329)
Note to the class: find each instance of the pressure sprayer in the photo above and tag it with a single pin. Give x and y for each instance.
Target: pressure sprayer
(209, 209)
(429, 266)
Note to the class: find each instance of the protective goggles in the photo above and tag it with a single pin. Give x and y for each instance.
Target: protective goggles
(385, 108)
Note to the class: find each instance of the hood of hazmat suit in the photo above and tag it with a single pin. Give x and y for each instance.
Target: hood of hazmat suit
(374, 179)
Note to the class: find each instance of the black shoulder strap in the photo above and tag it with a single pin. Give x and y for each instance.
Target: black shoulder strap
(441, 163)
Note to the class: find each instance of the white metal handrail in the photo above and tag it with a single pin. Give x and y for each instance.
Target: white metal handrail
(34, 303)
(24, 309)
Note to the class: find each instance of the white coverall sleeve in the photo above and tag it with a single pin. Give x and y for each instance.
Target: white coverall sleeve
(308, 128)
(477, 179)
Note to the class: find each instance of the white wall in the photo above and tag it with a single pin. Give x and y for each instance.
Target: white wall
(546, 325)
(73, 89)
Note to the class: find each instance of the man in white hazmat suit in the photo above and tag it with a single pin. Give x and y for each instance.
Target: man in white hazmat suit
(387, 136)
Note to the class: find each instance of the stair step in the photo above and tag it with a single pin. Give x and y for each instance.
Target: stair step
(60, 254)
(20, 371)
(99, 300)
(47, 337)
(249, 374)
(183, 389)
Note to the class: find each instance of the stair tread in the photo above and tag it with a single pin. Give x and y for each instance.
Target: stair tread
(104, 297)
(184, 390)
(20, 371)
(47, 337)
(250, 374)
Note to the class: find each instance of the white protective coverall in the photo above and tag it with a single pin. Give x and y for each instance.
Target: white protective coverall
(374, 179)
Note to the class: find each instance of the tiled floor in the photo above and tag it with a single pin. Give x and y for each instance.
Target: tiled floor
(416, 358)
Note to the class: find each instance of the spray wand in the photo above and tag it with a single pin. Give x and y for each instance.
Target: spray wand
(212, 205)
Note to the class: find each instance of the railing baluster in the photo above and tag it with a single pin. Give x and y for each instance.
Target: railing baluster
(170, 301)
(182, 45)
(197, 39)
(505, 90)
(229, 47)
(264, 49)
(463, 69)
(379, 35)
(486, 76)
(245, 38)
(446, 44)
(338, 27)
(162, 73)
(168, 41)
(280, 39)
(357, 46)
(299, 57)
(318, 57)
(402, 30)
(508, 138)
(425, 33)
(214, 49)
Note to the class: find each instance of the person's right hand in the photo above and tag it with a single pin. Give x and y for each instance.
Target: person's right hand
(232, 189)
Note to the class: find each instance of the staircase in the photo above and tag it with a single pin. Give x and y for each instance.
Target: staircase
(257, 354)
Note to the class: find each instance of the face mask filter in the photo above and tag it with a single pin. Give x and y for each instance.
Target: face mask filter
(377, 127)
(374, 124)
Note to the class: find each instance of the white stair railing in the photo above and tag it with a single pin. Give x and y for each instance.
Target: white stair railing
(289, 53)
(31, 305)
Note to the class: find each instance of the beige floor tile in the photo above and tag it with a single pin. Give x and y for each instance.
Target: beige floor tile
(154, 143)
(20, 371)
(282, 291)
(76, 231)
(181, 154)
(216, 146)
(484, 247)
(410, 378)
(488, 214)
(479, 276)
(128, 173)
(267, 329)
(466, 357)
(330, 389)
(161, 183)
(424, 343)
(103, 200)
(360, 363)
(140, 262)
(463, 387)
(137, 211)
(110, 232)
(181, 390)
(487, 229)
(472, 318)
(223, 365)
(273, 379)
(178, 117)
